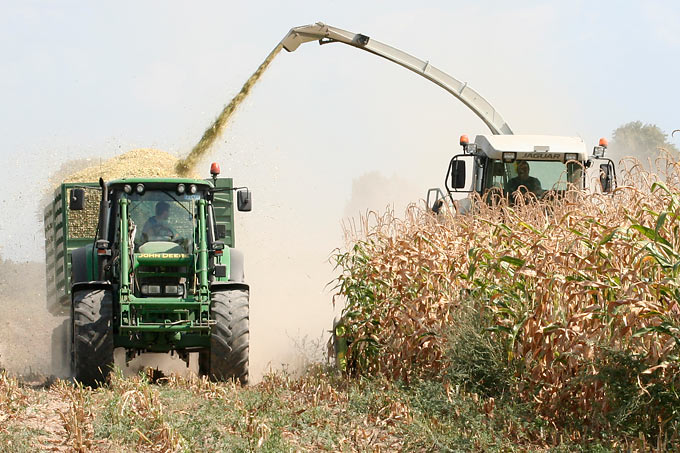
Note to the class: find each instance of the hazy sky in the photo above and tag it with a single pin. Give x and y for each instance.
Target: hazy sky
(84, 80)
(328, 130)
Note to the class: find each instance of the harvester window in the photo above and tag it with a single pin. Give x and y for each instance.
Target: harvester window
(497, 174)
(575, 172)
(551, 175)
(524, 180)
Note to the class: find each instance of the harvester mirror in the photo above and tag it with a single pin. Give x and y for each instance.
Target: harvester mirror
(76, 200)
(244, 200)
(457, 170)
(606, 177)
(435, 199)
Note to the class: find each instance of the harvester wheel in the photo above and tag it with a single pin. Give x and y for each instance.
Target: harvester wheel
(92, 335)
(229, 340)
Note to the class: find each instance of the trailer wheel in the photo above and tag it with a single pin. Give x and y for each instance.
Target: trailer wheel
(61, 349)
(204, 363)
(92, 354)
(230, 336)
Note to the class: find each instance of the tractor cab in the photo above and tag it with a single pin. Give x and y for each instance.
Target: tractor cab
(166, 221)
(164, 214)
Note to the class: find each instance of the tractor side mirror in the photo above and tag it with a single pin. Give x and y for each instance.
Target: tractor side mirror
(76, 199)
(221, 231)
(457, 171)
(606, 177)
(244, 200)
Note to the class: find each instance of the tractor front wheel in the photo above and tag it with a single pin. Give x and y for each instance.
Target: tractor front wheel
(92, 352)
(230, 336)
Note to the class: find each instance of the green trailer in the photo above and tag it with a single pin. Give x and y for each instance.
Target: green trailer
(66, 231)
(148, 265)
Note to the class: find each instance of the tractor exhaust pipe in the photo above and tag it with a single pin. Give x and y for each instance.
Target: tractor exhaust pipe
(102, 242)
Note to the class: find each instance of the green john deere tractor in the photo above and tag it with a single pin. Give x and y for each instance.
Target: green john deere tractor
(151, 267)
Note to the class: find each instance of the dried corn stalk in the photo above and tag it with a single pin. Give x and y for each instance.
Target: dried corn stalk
(565, 282)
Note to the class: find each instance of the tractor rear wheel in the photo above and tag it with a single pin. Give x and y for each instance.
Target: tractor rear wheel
(230, 336)
(92, 353)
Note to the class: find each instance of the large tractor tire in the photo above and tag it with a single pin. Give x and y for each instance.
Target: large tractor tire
(92, 355)
(229, 339)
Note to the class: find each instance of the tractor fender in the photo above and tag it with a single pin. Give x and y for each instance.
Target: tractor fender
(236, 268)
(79, 266)
(97, 284)
(216, 286)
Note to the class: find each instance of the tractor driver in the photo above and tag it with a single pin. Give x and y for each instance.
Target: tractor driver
(157, 228)
(523, 181)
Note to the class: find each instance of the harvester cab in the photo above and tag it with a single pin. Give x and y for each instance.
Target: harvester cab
(512, 165)
(160, 275)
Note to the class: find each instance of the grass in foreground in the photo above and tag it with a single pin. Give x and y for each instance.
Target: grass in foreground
(321, 411)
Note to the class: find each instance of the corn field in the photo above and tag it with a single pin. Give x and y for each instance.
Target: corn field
(581, 293)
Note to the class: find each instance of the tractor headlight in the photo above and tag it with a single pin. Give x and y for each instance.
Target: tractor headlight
(174, 290)
(127, 188)
(140, 188)
(570, 156)
(192, 189)
(180, 189)
(151, 290)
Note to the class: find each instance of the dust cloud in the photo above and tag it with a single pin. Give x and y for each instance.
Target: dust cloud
(29, 334)
(26, 328)
(289, 240)
(373, 191)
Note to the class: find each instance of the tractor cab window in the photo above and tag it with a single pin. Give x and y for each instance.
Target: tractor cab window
(161, 216)
(537, 176)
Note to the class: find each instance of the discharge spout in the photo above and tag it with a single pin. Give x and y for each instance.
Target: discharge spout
(326, 34)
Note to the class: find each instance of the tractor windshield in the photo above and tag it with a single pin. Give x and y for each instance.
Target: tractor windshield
(536, 176)
(161, 216)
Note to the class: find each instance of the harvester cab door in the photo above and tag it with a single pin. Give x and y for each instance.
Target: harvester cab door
(601, 177)
(223, 209)
(607, 176)
(435, 199)
(605, 168)
(460, 176)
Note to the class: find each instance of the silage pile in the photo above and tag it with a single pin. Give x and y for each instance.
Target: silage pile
(571, 305)
(136, 163)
